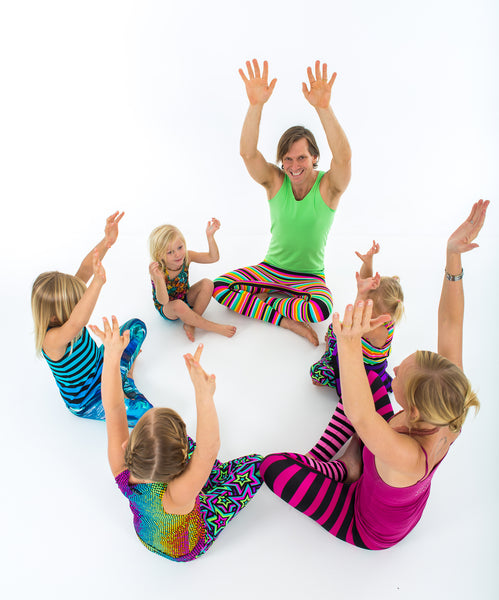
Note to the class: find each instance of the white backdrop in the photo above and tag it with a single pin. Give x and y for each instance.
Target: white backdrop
(138, 106)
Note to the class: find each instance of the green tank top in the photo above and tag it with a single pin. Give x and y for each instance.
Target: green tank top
(299, 229)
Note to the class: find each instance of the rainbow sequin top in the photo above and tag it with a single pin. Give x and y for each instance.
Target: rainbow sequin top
(177, 537)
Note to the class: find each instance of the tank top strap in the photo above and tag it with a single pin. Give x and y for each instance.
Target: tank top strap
(426, 463)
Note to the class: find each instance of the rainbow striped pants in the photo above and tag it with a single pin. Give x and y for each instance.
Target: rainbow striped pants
(299, 296)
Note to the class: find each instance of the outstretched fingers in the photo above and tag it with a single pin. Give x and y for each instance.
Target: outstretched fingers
(477, 216)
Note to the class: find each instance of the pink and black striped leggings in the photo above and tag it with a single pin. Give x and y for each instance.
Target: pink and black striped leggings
(306, 297)
(314, 487)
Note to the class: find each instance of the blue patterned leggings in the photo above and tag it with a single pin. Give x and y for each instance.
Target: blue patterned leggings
(136, 404)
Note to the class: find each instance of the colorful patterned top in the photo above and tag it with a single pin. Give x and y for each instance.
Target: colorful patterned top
(177, 287)
(371, 354)
(177, 537)
(78, 372)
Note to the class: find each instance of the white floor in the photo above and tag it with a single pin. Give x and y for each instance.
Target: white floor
(138, 106)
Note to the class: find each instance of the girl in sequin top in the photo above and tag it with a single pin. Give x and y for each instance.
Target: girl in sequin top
(173, 297)
(180, 495)
(61, 306)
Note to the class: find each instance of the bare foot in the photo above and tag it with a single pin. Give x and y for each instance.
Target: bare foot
(351, 455)
(226, 330)
(189, 331)
(131, 369)
(303, 329)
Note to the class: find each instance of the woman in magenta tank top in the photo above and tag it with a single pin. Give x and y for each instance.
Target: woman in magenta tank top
(383, 487)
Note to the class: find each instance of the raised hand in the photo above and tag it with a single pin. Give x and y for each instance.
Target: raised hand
(364, 286)
(114, 342)
(99, 272)
(213, 225)
(203, 383)
(155, 271)
(461, 240)
(319, 94)
(357, 321)
(368, 256)
(111, 229)
(257, 87)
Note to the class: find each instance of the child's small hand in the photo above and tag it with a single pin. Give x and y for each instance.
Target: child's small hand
(201, 380)
(357, 321)
(114, 342)
(364, 286)
(365, 258)
(155, 270)
(212, 227)
(98, 270)
(111, 229)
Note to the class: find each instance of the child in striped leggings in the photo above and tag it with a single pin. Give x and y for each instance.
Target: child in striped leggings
(387, 296)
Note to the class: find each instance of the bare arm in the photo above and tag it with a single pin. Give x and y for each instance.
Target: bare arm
(366, 270)
(258, 91)
(112, 393)
(110, 236)
(183, 490)
(398, 452)
(213, 254)
(451, 306)
(57, 338)
(337, 178)
(159, 283)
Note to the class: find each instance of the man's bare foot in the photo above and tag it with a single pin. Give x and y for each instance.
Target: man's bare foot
(303, 329)
(189, 331)
(226, 330)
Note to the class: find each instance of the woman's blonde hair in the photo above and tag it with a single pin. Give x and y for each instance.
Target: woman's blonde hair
(162, 237)
(388, 297)
(440, 391)
(158, 446)
(55, 295)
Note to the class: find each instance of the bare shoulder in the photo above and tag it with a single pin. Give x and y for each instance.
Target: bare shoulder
(329, 193)
(275, 181)
(54, 344)
(377, 337)
(335, 182)
(171, 508)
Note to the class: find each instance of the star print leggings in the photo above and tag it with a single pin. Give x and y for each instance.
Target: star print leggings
(299, 296)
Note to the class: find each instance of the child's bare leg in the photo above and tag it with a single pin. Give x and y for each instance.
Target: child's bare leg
(303, 329)
(178, 309)
(199, 296)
